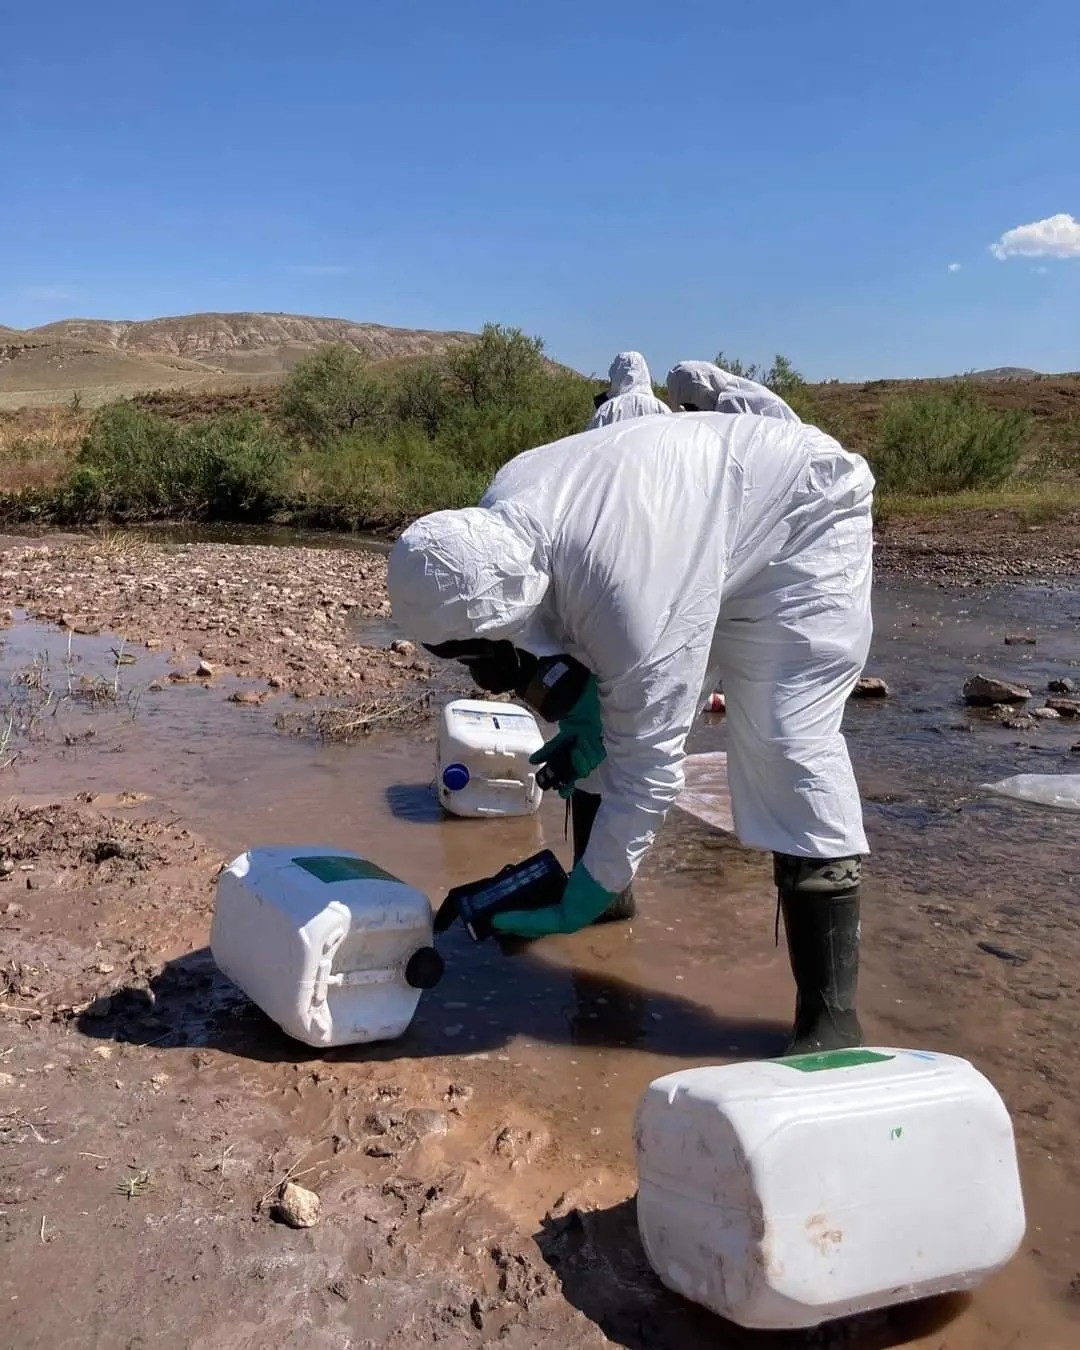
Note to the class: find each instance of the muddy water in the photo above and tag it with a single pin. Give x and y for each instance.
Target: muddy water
(559, 1039)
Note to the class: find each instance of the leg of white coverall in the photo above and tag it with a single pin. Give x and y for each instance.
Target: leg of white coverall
(793, 640)
(791, 645)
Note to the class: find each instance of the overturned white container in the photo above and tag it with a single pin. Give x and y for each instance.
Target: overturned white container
(335, 950)
(482, 761)
(786, 1193)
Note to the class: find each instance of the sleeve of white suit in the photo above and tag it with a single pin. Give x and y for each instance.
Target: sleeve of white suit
(646, 714)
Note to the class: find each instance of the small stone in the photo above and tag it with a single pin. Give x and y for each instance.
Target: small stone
(1019, 640)
(158, 1081)
(104, 968)
(1013, 722)
(204, 670)
(276, 682)
(1046, 714)
(7, 1080)
(152, 644)
(1065, 686)
(426, 1124)
(1076, 748)
(288, 632)
(297, 1206)
(6, 867)
(403, 648)
(248, 698)
(1002, 953)
(154, 687)
(870, 686)
(12, 911)
(1067, 707)
(985, 691)
(102, 1052)
(178, 677)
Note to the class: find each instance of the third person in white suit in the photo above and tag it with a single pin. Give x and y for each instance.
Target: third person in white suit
(629, 393)
(702, 386)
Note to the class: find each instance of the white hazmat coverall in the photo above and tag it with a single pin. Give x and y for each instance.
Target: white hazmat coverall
(656, 553)
(630, 387)
(709, 388)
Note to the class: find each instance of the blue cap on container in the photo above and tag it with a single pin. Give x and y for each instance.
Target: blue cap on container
(455, 777)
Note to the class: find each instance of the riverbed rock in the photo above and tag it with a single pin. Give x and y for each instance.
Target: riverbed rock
(1067, 707)
(1065, 686)
(983, 691)
(402, 647)
(297, 1206)
(1046, 714)
(1018, 722)
(204, 670)
(870, 686)
(1019, 640)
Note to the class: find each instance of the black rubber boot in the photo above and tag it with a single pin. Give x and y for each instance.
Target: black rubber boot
(583, 809)
(820, 902)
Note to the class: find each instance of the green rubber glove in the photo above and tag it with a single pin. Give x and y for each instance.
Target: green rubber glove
(584, 900)
(581, 730)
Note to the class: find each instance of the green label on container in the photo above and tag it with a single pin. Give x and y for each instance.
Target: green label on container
(833, 1059)
(330, 869)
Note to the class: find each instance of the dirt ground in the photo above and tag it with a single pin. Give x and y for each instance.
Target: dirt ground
(277, 618)
(476, 1178)
(979, 546)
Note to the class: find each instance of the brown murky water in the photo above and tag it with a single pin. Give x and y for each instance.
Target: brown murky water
(557, 1040)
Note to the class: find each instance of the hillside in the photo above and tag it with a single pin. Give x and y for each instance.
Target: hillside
(101, 358)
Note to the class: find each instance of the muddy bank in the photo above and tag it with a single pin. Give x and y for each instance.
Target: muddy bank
(290, 620)
(979, 546)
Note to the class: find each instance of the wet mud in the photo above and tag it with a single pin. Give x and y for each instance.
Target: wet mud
(477, 1175)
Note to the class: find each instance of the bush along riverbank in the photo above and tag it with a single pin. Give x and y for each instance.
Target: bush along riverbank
(342, 444)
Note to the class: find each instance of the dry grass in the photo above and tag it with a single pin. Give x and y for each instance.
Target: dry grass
(37, 446)
(1031, 503)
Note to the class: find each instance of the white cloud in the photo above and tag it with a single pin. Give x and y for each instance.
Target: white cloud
(1055, 237)
(955, 267)
(319, 270)
(48, 294)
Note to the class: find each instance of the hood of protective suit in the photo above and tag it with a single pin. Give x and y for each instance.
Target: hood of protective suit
(709, 388)
(628, 372)
(465, 574)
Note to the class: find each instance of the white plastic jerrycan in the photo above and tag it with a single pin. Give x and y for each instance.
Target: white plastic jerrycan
(483, 759)
(787, 1193)
(329, 945)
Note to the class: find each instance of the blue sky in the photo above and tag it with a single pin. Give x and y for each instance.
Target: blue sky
(789, 177)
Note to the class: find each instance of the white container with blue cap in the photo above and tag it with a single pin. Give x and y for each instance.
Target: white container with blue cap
(482, 762)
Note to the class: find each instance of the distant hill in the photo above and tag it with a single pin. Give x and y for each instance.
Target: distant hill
(1004, 373)
(103, 358)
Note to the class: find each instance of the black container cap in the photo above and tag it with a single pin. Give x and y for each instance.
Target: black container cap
(424, 968)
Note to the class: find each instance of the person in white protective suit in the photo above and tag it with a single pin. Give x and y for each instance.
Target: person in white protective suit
(629, 393)
(701, 386)
(649, 558)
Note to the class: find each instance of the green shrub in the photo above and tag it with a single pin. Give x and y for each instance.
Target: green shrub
(134, 464)
(946, 442)
(330, 393)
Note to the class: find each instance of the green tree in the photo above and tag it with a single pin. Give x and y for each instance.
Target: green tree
(502, 369)
(330, 393)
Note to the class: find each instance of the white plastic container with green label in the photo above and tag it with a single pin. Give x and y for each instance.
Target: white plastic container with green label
(330, 946)
(482, 761)
(786, 1193)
